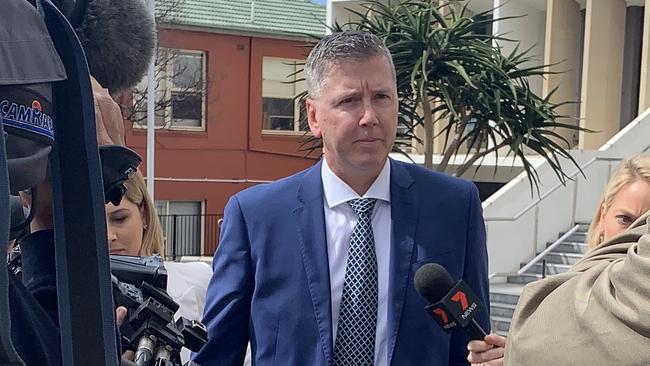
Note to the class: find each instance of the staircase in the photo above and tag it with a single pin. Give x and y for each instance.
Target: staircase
(504, 296)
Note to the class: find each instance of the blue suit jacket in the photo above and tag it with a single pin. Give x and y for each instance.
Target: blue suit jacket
(271, 275)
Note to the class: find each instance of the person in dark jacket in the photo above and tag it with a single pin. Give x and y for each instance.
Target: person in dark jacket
(27, 70)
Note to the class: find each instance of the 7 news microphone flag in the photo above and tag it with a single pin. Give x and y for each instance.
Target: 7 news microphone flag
(451, 305)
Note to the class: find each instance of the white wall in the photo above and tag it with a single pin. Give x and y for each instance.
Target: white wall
(529, 30)
(519, 225)
(339, 12)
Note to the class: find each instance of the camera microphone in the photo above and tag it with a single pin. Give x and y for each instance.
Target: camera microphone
(118, 38)
(451, 304)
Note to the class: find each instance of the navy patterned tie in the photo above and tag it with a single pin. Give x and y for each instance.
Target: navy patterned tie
(357, 324)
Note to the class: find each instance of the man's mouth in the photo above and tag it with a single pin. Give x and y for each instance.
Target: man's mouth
(368, 139)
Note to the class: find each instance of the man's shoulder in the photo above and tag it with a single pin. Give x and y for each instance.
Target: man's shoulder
(275, 190)
(430, 178)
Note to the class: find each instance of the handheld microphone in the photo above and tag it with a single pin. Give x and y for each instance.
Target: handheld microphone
(451, 305)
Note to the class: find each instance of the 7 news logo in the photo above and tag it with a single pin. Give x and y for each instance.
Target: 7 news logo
(457, 308)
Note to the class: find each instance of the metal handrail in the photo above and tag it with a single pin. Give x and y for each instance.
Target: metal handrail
(547, 250)
(552, 190)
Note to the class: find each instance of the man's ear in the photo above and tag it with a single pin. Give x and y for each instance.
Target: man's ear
(314, 126)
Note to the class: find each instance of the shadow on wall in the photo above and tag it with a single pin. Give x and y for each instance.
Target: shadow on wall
(486, 189)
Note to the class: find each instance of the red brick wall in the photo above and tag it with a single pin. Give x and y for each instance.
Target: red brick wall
(233, 146)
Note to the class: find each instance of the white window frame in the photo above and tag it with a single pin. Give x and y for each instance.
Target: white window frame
(168, 90)
(296, 106)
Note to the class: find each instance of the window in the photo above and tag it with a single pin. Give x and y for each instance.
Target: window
(182, 225)
(480, 142)
(485, 28)
(280, 84)
(180, 97)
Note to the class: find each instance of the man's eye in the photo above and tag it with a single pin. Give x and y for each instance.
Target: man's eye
(348, 100)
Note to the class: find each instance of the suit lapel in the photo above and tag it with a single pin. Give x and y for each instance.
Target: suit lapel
(310, 221)
(404, 210)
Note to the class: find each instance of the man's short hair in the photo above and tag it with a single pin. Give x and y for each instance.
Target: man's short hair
(335, 47)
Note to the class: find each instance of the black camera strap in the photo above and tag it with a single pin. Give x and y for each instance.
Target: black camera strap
(86, 314)
(32, 61)
(8, 355)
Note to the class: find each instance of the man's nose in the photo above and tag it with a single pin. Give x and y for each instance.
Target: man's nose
(369, 117)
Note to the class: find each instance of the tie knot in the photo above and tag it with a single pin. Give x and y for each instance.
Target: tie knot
(363, 205)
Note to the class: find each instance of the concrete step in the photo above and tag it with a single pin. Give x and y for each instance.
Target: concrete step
(504, 310)
(501, 298)
(500, 323)
(500, 332)
(523, 278)
(582, 228)
(551, 268)
(580, 237)
(563, 257)
(572, 247)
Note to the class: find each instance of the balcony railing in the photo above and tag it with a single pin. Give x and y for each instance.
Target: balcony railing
(190, 235)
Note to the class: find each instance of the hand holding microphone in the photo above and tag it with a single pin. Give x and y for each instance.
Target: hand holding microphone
(455, 305)
(488, 352)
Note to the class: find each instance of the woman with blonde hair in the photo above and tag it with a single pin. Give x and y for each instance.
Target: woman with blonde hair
(625, 199)
(133, 228)
(139, 211)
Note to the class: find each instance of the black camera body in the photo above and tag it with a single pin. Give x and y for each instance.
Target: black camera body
(150, 330)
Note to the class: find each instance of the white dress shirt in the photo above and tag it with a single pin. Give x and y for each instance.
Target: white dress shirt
(340, 219)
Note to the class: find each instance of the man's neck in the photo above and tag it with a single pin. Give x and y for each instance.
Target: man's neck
(359, 180)
(359, 184)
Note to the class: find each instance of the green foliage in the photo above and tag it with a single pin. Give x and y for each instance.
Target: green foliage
(449, 72)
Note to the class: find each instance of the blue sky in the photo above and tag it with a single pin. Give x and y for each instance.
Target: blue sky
(322, 2)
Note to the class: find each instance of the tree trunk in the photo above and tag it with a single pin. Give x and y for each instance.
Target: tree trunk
(466, 165)
(451, 149)
(428, 129)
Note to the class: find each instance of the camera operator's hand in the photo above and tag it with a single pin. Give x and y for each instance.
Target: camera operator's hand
(120, 315)
(108, 117)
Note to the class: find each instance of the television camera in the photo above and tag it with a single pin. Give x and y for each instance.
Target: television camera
(150, 329)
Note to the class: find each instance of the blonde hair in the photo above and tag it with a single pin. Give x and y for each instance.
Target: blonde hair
(152, 238)
(630, 170)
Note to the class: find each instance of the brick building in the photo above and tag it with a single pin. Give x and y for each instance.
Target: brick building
(235, 127)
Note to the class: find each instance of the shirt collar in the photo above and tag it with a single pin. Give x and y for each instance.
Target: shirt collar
(337, 191)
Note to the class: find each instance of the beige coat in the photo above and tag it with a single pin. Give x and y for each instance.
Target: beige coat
(598, 313)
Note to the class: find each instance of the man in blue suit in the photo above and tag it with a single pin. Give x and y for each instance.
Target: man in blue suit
(317, 268)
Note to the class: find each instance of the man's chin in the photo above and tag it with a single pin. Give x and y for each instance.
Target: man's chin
(371, 163)
(357, 162)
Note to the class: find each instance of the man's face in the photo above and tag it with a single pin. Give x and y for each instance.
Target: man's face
(356, 115)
